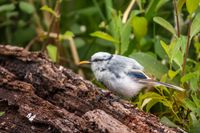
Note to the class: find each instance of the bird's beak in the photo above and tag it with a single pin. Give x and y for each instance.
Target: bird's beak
(84, 62)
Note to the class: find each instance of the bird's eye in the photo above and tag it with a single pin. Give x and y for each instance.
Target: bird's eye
(96, 60)
(102, 59)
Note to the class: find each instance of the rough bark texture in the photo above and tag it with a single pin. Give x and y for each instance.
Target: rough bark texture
(39, 96)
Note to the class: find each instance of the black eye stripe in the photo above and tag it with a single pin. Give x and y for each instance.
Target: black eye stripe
(109, 58)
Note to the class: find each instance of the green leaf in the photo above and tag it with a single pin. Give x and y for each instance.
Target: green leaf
(196, 100)
(193, 117)
(151, 9)
(189, 104)
(172, 73)
(1, 113)
(151, 98)
(167, 122)
(159, 49)
(166, 48)
(139, 25)
(50, 10)
(181, 43)
(192, 5)
(151, 104)
(180, 4)
(150, 63)
(165, 24)
(52, 52)
(67, 35)
(187, 77)
(125, 35)
(26, 7)
(178, 58)
(195, 26)
(145, 102)
(194, 84)
(104, 36)
(115, 28)
(7, 7)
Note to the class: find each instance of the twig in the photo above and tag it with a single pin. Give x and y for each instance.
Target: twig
(46, 15)
(31, 43)
(187, 47)
(127, 12)
(51, 25)
(75, 54)
(177, 18)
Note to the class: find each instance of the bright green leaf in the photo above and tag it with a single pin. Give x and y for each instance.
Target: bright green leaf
(104, 36)
(150, 63)
(172, 73)
(151, 98)
(165, 24)
(151, 104)
(50, 10)
(192, 5)
(52, 52)
(195, 26)
(145, 102)
(180, 4)
(139, 26)
(166, 48)
(67, 35)
(26, 7)
(7, 7)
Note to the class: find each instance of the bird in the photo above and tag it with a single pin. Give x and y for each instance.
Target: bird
(122, 75)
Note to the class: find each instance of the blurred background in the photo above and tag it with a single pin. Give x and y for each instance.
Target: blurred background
(162, 35)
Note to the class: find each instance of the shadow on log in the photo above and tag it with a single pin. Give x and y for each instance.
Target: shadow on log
(39, 96)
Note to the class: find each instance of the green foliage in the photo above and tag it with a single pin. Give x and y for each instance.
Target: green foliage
(50, 10)
(166, 44)
(192, 5)
(165, 24)
(150, 63)
(26, 7)
(195, 27)
(139, 25)
(104, 36)
(1, 113)
(52, 52)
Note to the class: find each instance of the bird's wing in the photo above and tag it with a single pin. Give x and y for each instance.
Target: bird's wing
(127, 62)
(137, 74)
(156, 83)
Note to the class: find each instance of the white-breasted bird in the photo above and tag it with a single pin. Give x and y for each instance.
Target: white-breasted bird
(122, 75)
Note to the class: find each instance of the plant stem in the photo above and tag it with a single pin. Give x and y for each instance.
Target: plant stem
(177, 18)
(187, 47)
(127, 12)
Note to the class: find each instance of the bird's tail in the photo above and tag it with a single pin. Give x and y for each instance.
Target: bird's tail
(156, 83)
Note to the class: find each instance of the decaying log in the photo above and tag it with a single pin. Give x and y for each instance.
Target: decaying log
(39, 96)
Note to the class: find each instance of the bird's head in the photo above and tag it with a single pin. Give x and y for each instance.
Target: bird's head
(98, 61)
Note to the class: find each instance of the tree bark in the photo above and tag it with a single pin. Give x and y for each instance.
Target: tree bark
(39, 96)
